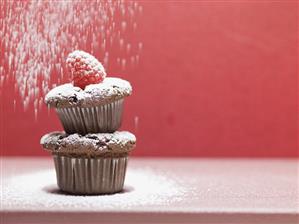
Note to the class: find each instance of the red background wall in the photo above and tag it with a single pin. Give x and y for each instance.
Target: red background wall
(214, 79)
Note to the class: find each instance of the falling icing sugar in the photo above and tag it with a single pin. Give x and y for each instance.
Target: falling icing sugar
(36, 36)
(142, 188)
(136, 123)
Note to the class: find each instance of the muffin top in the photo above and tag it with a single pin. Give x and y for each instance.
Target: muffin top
(91, 145)
(68, 95)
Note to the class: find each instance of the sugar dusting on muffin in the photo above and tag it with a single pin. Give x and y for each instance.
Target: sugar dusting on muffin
(67, 95)
(93, 144)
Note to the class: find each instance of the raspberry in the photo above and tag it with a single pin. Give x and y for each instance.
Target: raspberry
(85, 69)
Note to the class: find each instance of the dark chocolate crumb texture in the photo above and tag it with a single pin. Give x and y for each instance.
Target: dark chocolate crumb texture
(68, 95)
(119, 143)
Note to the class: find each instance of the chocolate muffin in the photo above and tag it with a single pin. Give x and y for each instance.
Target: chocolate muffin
(96, 108)
(90, 164)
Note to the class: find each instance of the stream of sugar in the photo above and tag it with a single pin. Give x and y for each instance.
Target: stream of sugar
(36, 36)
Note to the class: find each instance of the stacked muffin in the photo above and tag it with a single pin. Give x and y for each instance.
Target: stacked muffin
(91, 155)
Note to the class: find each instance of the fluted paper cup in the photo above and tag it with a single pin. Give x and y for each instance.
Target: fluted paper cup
(98, 119)
(103, 175)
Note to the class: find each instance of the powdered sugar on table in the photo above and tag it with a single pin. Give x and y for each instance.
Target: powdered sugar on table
(158, 191)
(143, 187)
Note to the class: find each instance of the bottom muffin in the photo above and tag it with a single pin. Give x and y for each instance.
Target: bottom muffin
(92, 163)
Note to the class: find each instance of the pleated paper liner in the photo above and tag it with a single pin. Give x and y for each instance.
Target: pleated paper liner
(102, 175)
(98, 119)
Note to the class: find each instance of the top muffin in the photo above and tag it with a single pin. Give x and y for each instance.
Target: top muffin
(68, 95)
(89, 86)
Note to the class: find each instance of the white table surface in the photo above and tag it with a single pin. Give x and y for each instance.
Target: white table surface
(158, 191)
